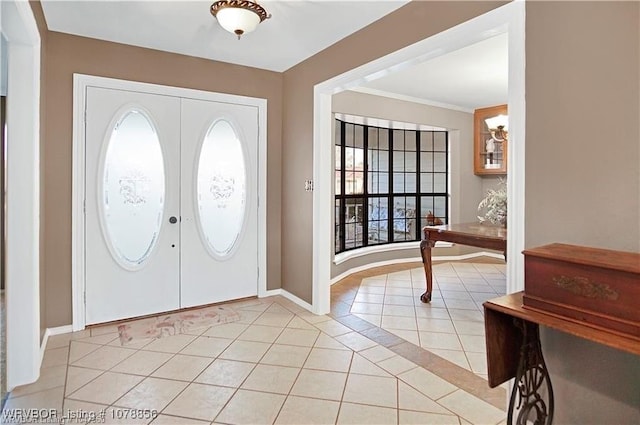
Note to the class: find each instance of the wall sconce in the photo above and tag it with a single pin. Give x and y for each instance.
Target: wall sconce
(498, 126)
(490, 127)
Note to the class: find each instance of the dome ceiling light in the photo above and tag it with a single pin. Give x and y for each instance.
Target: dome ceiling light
(239, 16)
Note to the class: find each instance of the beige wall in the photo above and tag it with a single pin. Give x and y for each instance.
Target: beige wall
(583, 177)
(407, 25)
(582, 155)
(68, 54)
(466, 187)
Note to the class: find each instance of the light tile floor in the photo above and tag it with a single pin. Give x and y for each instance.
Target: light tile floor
(279, 364)
(452, 325)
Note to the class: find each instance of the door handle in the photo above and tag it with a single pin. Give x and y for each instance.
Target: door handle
(173, 220)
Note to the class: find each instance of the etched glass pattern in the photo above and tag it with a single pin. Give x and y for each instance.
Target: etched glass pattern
(221, 188)
(133, 189)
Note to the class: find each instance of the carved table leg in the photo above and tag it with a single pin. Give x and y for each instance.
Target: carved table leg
(425, 251)
(531, 376)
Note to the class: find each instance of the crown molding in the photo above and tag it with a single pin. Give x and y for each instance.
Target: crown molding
(382, 93)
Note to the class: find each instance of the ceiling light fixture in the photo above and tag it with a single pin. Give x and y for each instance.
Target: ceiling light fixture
(239, 16)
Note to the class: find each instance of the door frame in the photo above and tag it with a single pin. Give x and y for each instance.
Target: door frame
(19, 26)
(80, 84)
(509, 18)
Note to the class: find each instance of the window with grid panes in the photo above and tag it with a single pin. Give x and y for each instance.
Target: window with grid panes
(386, 182)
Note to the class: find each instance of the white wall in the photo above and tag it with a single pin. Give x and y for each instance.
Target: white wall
(4, 63)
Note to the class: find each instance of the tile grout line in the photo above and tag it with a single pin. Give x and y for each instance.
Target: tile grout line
(297, 376)
(255, 364)
(464, 387)
(284, 327)
(464, 352)
(197, 376)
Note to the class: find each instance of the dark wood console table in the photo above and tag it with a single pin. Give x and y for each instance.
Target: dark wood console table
(474, 234)
(513, 351)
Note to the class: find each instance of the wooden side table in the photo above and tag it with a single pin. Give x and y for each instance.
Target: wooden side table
(474, 234)
(514, 351)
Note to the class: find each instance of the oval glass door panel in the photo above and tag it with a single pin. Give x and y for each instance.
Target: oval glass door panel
(221, 188)
(133, 189)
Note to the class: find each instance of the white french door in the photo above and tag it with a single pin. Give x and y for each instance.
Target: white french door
(132, 189)
(219, 255)
(170, 203)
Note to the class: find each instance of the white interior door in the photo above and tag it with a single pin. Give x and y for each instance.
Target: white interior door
(219, 202)
(132, 187)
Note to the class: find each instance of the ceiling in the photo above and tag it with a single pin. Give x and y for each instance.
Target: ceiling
(466, 79)
(297, 29)
(473, 77)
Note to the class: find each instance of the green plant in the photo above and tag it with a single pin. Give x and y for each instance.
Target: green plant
(495, 204)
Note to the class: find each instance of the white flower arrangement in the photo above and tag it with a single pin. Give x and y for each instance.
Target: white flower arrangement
(495, 204)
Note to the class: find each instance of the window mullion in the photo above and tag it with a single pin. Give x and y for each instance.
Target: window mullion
(446, 183)
(343, 186)
(365, 187)
(418, 190)
(390, 210)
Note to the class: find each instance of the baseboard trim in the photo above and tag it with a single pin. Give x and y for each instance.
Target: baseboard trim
(270, 293)
(50, 332)
(412, 260)
(43, 344)
(372, 265)
(60, 330)
(467, 256)
(288, 295)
